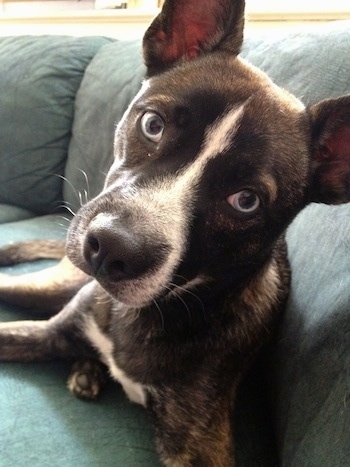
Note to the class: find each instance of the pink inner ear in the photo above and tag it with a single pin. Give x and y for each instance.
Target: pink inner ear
(334, 159)
(338, 146)
(184, 43)
(190, 31)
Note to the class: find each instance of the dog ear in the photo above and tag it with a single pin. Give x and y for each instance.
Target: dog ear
(185, 29)
(331, 151)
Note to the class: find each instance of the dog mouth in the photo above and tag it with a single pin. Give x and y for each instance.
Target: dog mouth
(135, 267)
(151, 288)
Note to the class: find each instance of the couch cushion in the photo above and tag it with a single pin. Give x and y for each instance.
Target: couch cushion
(42, 424)
(53, 226)
(311, 357)
(10, 213)
(110, 82)
(39, 77)
(312, 64)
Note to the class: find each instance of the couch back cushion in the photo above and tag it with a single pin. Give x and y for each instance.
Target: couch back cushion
(39, 78)
(110, 82)
(312, 63)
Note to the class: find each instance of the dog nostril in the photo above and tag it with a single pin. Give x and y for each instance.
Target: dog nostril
(94, 252)
(93, 243)
(112, 253)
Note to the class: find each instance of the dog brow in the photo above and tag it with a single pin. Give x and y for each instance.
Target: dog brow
(218, 137)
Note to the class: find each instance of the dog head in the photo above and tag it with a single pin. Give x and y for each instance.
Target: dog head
(212, 163)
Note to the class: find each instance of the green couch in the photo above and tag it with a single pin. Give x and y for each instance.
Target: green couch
(60, 98)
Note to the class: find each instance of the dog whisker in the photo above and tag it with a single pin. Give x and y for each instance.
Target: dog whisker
(160, 312)
(103, 301)
(179, 276)
(87, 191)
(178, 295)
(77, 193)
(81, 202)
(67, 208)
(63, 226)
(63, 222)
(83, 197)
(204, 280)
(67, 219)
(189, 292)
(86, 195)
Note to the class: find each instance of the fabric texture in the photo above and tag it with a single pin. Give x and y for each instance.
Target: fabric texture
(43, 425)
(310, 361)
(39, 78)
(110, 82)
(10, 213)
(312, 64)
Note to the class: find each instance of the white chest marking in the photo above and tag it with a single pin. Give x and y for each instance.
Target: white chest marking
(135, 391)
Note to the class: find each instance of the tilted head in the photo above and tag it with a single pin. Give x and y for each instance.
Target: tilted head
(212, 163)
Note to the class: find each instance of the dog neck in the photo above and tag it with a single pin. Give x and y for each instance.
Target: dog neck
(188, 308)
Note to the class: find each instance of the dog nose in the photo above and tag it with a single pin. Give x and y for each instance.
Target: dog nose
(113, 252)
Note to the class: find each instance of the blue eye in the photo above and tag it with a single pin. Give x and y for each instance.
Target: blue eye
(245, 201)
(152, 126)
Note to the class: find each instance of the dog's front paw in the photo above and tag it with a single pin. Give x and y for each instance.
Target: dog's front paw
(87, 378)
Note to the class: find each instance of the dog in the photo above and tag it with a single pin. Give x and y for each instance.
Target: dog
(177, 273)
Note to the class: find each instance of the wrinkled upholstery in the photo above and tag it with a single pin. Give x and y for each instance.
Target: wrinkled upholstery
(39, 79)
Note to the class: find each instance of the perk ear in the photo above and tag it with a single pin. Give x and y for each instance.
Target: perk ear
(331, 151)
(184, 29)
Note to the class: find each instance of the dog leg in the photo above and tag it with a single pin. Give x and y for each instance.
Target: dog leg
(193, 426)
(31, 250)
(48, 289)
(62, 336)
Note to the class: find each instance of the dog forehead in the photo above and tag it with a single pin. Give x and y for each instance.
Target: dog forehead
(232, 105)
(212, 84)
(203, 83)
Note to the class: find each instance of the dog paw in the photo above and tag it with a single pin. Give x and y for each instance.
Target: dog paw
(86, 379)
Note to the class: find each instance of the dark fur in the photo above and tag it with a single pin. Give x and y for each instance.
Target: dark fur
(189, 339)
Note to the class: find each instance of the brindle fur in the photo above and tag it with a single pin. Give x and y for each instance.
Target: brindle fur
(178, 325)
(47, 292)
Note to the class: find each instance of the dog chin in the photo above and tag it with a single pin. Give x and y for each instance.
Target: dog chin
(136, 293)
(142, 293)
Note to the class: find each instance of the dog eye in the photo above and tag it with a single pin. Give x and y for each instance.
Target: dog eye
(245, 201)
(152, 126)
